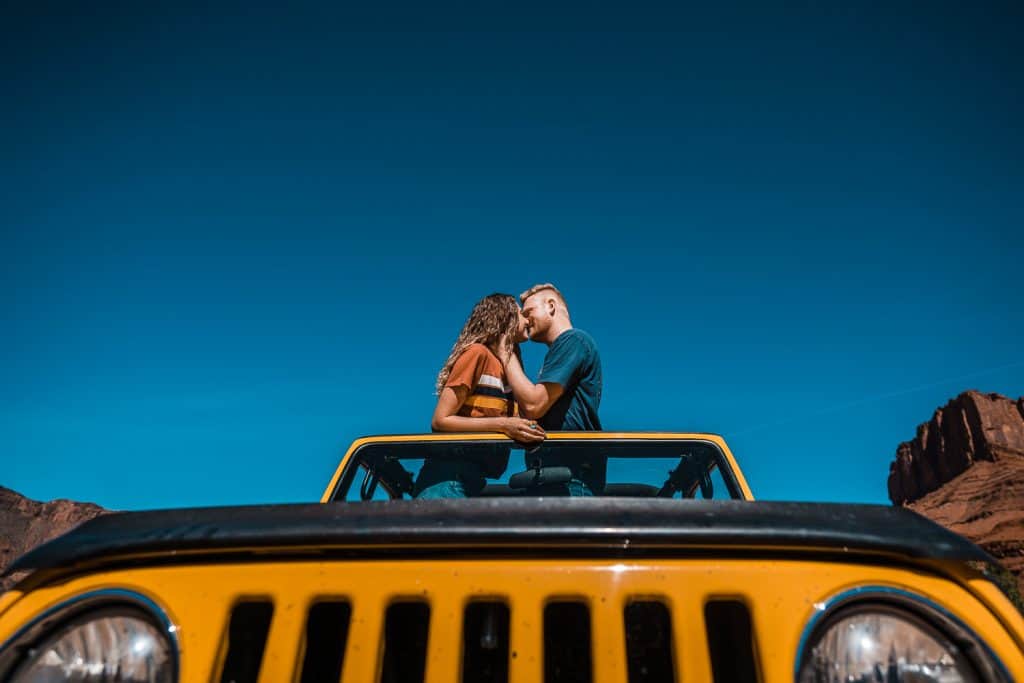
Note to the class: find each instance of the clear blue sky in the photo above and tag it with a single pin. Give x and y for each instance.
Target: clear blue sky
(232, 242)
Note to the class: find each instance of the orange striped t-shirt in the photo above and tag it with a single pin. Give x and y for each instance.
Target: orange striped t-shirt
(480, 371)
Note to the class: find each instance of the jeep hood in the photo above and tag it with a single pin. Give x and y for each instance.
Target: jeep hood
(532, 527)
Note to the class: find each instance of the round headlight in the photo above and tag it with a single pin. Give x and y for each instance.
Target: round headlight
(877, 642)
(114, 644)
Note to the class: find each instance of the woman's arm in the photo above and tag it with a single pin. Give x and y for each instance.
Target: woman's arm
(446, 420)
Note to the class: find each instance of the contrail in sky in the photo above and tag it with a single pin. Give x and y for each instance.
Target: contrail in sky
(878, 397)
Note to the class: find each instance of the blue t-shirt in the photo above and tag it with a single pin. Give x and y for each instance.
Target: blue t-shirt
(573, 362)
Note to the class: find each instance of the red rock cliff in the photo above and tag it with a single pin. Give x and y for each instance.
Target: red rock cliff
(25, 523)
(973, 427)
(965, 470)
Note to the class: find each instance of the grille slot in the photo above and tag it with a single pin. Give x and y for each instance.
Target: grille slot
(730, 641)
(648, 643)
(326, 637)
(485, 643)
(247, 638)
(567, 656)
(405, 642)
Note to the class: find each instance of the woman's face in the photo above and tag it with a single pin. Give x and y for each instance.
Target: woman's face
(522, 332)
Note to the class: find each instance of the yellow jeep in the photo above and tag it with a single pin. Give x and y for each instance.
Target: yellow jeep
(669, 572)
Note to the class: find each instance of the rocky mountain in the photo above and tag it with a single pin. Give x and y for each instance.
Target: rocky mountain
(965, 470)
(26, 523)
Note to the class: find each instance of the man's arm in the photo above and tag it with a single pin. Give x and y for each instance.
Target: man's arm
(534, 399)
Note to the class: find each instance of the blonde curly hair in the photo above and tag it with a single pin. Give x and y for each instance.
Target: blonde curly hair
(493, 317)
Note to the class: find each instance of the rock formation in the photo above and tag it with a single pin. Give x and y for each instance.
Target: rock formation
(971, 428)
(965, 470)
(26, 523)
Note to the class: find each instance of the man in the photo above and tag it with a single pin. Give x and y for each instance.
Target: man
(568, 390)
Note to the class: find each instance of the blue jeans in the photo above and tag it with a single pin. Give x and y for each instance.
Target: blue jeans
(577, 489)
(444, 489)
(449, 479)
(574, 488)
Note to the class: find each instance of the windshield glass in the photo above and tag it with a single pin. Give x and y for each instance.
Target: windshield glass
(620, 468)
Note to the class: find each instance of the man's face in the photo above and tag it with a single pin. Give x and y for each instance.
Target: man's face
(536, 313)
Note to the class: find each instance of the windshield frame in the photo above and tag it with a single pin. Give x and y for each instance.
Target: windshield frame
(350, 467)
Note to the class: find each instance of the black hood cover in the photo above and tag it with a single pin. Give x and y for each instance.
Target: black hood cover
(526, 526)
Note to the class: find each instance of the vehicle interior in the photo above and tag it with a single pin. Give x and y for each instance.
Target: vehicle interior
(680, 469)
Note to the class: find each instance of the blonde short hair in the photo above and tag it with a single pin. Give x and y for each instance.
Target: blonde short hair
(540, 288)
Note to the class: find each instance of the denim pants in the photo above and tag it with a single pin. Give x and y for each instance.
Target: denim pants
(444, 489)
(449, 479)
(574, 488)
(578, 489)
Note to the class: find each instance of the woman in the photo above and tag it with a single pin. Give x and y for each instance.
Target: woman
(472, 396)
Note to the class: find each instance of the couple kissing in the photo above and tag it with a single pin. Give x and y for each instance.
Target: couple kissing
(482, 386)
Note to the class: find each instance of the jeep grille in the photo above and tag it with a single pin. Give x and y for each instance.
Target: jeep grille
(640, 635)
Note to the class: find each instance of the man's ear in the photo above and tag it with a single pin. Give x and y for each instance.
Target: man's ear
(552, 307)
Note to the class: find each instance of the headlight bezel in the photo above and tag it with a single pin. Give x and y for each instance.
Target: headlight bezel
(15, 650)
(914, 607)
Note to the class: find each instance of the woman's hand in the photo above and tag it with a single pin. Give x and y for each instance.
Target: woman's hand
(523, 431)
(506, 347)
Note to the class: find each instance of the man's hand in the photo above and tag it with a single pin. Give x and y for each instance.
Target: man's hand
(523, 431)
